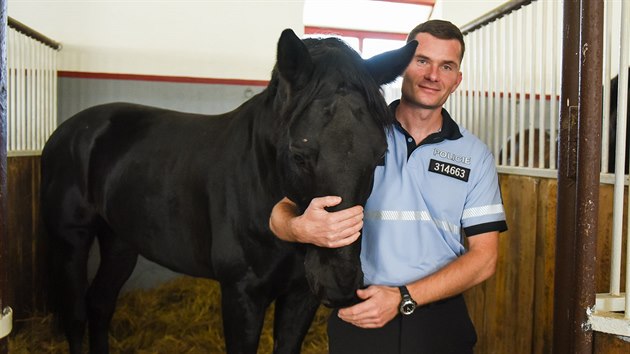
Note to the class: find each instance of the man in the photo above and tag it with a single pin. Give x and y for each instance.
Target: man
(437, 184)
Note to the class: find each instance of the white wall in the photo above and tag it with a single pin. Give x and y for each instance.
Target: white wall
(460, 12)
(234, 39)
(219, 39)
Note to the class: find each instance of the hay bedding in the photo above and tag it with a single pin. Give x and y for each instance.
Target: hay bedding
(181, 316)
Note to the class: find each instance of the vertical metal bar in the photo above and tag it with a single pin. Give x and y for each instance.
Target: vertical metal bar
(578, 176)
(496, 117)
(29, 95)
(532, 81)
(557, 57)
(620, 157)
(492, 88)
(54, 89)
(589, 161)
(474, 117)
(513, 56)
(45, 97)
(23, 93)
(11, 122)
(504, 98)
(20, 91)
(622, 113)
(39, 95)
(470, 102)
(606, 85)
(4, 268)
(565, 242)
(522, 102)
(32, 118)
(471, 85)
(483, 119)
(478, 117)
(542, 78)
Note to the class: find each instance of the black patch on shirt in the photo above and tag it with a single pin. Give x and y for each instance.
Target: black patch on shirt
(449, 169)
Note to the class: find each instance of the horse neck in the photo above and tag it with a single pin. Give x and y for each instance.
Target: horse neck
(261, 119)
(252, 131)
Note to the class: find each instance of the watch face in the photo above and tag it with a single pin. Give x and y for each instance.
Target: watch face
(407, 307)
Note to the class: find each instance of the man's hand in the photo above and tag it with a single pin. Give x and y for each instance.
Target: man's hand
(380, 306)
(328, 229)
(317, 226)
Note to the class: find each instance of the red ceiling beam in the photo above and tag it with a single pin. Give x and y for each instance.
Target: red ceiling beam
(355, 33)
(415, 2)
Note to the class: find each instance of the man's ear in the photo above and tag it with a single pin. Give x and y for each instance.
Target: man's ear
(459, 81)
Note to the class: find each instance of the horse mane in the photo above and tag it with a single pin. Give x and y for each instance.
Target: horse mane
(347, 63)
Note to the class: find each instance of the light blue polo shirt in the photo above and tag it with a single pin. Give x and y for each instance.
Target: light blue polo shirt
(424, 199)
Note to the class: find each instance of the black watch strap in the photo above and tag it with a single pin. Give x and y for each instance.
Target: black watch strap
(404, 291)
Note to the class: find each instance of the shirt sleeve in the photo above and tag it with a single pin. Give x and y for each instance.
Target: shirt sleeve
(483, 210)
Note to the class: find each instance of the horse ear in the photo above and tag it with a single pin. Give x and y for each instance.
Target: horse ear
(386, 67)
(294, 61)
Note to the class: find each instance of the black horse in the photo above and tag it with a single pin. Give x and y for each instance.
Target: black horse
(612, 127)
(194, 193)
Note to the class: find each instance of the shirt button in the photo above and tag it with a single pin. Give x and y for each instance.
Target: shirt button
(410, 140)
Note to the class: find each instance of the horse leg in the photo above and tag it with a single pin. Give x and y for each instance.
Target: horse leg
(243, 317)
(293, 316)
(117, 263)
(71, 251)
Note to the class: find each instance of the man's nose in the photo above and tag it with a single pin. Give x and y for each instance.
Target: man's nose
(433, 73)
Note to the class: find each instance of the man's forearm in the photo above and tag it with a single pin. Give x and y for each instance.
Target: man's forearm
(316, 225)
(472, 268)
(280, 220)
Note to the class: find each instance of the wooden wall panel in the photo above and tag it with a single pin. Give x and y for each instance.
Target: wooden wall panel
(27, 255)
(604, 343)
(508, 317)
(542, 340)
(604, 240)
(504, 322)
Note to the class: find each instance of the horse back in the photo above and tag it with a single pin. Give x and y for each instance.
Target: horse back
(171, 184)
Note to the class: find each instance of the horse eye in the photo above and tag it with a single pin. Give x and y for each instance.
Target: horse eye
(299, 160)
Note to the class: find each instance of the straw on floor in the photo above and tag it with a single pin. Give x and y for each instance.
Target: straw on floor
(181, 316)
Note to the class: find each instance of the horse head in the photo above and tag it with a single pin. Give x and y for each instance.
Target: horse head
(333, 137)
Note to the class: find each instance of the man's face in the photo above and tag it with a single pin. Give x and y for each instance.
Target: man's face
(433, 73)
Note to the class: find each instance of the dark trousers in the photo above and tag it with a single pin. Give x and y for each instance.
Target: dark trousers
(443, 327)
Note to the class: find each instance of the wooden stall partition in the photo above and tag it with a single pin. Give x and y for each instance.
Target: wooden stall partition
(604, 240)
(604, 343)
(544, 267)
(513, 310)
(27, 249)
(502, 307)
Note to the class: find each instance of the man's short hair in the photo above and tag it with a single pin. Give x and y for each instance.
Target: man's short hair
(440, 29)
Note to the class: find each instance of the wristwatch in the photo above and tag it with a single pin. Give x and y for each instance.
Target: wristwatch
(407, 305)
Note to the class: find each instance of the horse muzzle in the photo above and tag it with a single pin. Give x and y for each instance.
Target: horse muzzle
(332, 276)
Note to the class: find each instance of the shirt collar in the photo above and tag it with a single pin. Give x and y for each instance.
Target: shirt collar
(450, 129)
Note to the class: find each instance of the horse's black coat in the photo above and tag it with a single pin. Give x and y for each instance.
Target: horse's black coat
(612, 127)
(194, 193)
